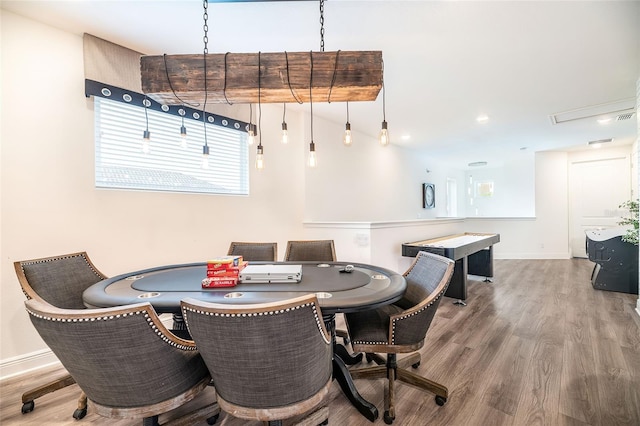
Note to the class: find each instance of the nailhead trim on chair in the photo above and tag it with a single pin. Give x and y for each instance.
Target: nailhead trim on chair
(111, 317)
(393, 326)
(256, 314)
(393, 329)
(51, 259)
(362, 342)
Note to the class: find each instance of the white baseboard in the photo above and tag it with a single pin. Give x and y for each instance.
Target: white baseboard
(26, 363)
(531, 256)
(44, 358)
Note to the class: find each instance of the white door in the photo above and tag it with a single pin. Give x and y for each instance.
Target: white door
(596, 189)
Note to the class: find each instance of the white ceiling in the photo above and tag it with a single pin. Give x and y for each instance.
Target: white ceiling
(446, 62)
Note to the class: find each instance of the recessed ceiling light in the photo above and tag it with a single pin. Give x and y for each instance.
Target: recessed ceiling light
(482, 118)
(523, 148)
(604, 120)
(477, 164)
(405, 137)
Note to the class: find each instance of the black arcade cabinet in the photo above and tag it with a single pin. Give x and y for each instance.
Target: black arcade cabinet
(616, 261)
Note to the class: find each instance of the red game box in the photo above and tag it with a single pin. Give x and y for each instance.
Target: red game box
(231, 272)
(214, 282)
(224, 262)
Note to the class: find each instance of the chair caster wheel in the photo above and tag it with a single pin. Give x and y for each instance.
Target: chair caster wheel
(213, 419)
(416, 365)
(387, 418)
(79, 413)
(440, 400)
(28, 407)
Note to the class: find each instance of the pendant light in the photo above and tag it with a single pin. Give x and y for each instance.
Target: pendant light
(260, 158)
(183, 130)
(205, 156)
(347, 140)
(251, 132)
(146, 135)
(384, 132)
(313, 159)
(285, 133)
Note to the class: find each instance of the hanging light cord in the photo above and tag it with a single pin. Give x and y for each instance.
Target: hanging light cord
(146, 115)
(205, 39)
(224, 90)
(259, 104)
(333, 79)
(166, 70)
(347, 112)
(286, 57)
(384, 109)
(311, 92)
(284, 112)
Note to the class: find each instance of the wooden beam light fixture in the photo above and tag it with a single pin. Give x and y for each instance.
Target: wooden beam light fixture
(278, 77)
(342, 76)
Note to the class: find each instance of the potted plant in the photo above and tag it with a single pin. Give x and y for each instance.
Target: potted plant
(631, 236)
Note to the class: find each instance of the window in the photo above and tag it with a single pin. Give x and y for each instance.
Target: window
(120, 162)
(452, 197)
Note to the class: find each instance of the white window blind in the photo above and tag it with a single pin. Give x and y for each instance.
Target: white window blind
(120, 162)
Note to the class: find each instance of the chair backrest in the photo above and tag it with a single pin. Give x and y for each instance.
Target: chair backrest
(254, 251)
(58, 280)
(262, 356)
(120, 357)
(310, 250)
(427, 281)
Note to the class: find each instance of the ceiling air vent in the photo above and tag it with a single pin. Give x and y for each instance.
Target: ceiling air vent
(625, 116)
(621, 107)
(600, 141)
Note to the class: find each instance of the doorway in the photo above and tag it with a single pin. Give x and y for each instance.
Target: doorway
(596, 189)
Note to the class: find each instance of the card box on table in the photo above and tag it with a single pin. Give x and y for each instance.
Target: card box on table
(271, 274)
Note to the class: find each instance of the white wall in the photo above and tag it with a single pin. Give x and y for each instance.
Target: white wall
(49, 203)
(513, 188)
(544, 236)
(368, 182)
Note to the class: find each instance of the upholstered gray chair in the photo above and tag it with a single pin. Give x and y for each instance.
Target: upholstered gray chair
(59, 281)
(312, 250)
(254, 251)
(401, 328)
(269, 361)
(124, 359)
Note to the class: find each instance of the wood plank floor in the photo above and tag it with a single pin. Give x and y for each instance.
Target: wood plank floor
(538, 346)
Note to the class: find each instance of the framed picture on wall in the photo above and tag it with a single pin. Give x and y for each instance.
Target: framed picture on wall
(428, 195)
